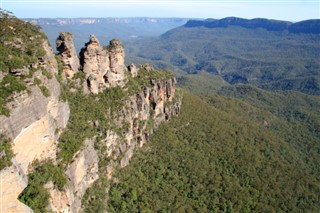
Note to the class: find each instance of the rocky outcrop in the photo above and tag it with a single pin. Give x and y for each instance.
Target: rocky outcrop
(82, 172)
(12, 183)
(95, 64)
(130, 128)
(33, 124)
(117, 75)
(140, 115)
(37, 119)
(67, 53)
(133, 70)
(103, 67)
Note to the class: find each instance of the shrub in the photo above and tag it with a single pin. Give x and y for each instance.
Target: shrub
(6, 152)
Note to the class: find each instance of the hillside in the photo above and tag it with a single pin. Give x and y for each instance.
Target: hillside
(236, 147)
(270, 54)
(222, 155)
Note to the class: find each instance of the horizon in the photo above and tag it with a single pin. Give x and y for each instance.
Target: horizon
(285, 10)
(150, 17)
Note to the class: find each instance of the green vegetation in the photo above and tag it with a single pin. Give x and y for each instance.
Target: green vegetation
(218, 156)
(44, 90)
(95, 198)
(202, 83)
(268, 59)
(8, 86)
(35, 195)
(20, 46)
(20, 42)
(85, 110)
(146, 79)
(6, 152)
(47, 74)
(298, 120)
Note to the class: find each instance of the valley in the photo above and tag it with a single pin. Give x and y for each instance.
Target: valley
(179, 115)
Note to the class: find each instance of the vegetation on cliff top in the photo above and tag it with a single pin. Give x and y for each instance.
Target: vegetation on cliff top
(85, 110)
(20, 47)
(20, 42)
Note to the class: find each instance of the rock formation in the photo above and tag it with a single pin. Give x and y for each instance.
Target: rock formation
(117, 75)
(133, 70)
(38, 118)
(103, 67)
(33, 124)
(67, 53)
(95, 63)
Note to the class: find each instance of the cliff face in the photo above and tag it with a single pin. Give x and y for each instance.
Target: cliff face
(130, 122)
(38, 118)
(33, 124)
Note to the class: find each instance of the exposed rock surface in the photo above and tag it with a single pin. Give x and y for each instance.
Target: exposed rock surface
(36, 121)
(137, 118)
(68, 54)
(148, 67)
(142, 113)
(103, 66)
(95, 63)
(12, 183)
(82, 173)
(133, 70)
(32, 125)
(117, 75)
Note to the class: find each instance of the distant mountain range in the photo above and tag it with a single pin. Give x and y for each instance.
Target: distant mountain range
(267, 53)
(106, 29)
(308, 26)
(73, 21)
(270, 54)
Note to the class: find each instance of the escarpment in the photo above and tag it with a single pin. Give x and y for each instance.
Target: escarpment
(32, 114)
(68, 136)
(126, 106)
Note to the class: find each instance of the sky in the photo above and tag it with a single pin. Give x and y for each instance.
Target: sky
(289, 10)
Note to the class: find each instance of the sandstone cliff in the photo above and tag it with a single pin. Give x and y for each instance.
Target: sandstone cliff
(87, 136)
(33, 124)
(103, 67)
(146, 99)
(130, 123)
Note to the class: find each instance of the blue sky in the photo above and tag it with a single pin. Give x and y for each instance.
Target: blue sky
(291, 10)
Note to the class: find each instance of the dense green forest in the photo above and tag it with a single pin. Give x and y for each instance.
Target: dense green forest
(222, 155)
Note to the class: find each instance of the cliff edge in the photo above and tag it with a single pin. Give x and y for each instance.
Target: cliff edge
(69, 120)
